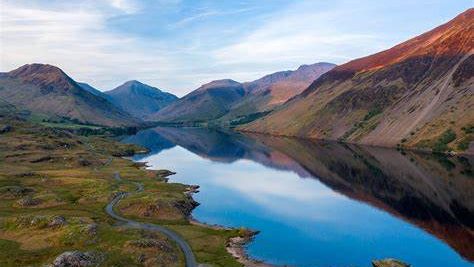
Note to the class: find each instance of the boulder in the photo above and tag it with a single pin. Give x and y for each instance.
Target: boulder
(57, 221)
(389, 263)
(164, 173)
(16, 191)
(84, 162)
(151, 243)
(28, 201)
(77, 259)
(91, 229)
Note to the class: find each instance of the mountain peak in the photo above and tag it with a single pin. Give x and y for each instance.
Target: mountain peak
(222, 82)
(315, 65)
(47, 89)
(396, 96)
(45, 76)
(438, 42)
(35, 69)
(139, 99)
(133, 82)
(219, 84)
(134, 86)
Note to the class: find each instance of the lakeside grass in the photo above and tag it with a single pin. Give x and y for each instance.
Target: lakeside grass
(46, 172)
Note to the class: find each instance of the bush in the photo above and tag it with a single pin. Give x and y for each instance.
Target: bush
(464, 143)
(441, 145)
(373, 112)
(468, 129)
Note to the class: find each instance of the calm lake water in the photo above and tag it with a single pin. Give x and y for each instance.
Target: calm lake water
(324, 204)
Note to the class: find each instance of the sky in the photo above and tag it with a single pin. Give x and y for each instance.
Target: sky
(177, 45)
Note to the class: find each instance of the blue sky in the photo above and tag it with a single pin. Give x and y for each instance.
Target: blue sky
(176, 45)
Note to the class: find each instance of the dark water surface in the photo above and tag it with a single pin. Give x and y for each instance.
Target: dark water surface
(324, 204)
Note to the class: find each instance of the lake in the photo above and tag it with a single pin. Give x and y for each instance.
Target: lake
(323, 203)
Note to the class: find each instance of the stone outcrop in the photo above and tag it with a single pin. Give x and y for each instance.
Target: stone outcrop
(77, 259)
(389, 263)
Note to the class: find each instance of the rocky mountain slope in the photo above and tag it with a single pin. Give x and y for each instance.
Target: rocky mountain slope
(419, 93)
(228, 100)
(274, 89)
(208, 102)
(139, 99)
(47, 89)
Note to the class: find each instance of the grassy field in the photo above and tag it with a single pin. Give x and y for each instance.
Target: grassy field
(54, 187)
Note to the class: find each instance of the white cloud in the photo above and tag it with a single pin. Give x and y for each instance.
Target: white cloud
(76, 39)
(299, 34)
(110, 41)
(127, 6)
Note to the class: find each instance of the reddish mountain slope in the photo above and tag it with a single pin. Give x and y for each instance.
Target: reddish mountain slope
(414, 94)
(274, 89)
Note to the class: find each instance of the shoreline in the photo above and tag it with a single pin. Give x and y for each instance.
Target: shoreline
(407, 148)
(236, 246)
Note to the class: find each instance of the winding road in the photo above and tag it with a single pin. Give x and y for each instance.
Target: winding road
(184, 246)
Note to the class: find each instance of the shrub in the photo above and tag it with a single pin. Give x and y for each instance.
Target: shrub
(441, 144)
(373, 112)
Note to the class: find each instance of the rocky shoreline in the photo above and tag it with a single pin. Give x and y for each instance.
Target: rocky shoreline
(235, 245)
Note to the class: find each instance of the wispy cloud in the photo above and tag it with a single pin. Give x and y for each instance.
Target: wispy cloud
(205, 13)
(77, 40)
(286, 39)
(179, 44)
(127, 6)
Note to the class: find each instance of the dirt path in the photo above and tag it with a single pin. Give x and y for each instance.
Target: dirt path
(184, 246)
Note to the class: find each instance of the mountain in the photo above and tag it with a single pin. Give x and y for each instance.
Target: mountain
(208, 102)
(228, 100)
(274, 89)
(139, 99)
(47, 89)
(417, 94)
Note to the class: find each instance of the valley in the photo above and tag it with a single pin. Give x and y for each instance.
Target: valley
(365, 163)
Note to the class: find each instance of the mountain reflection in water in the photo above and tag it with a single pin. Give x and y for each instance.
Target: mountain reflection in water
(433, 192)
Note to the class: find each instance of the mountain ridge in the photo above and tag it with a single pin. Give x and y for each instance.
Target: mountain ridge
(411, 94)
(47, 89)
(225, 100)
(210, 101)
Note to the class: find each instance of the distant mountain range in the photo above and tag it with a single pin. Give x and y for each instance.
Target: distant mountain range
(139, 99)
(419, 93)
(48, 90)
(228, 100)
